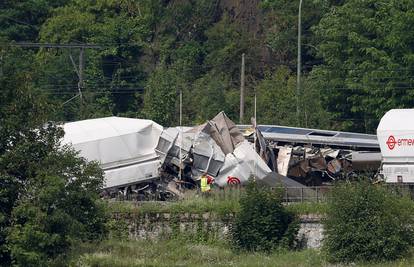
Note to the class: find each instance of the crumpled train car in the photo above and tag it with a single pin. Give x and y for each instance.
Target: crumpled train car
(123, 147)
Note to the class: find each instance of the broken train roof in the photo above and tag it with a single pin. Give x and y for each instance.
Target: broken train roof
(295, 135)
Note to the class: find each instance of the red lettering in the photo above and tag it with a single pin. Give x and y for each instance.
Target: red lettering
(404, 142)
(392, 142)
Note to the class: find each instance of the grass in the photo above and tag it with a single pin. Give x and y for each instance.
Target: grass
(219, 202)
(305, 208)
(174, 253)
(178, 253)
(191, 203)
(193, 252)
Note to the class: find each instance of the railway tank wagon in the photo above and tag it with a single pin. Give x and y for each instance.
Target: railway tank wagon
(396, 138)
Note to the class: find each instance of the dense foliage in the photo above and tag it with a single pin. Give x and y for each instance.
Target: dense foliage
(48, 195)
(356, 55)
(368, 60)
(263, 223)
(356, 58)
(357, 63)
(366, 222)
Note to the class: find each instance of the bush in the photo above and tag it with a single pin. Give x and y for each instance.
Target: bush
(55, 203)
(365, 222)
(263, 224)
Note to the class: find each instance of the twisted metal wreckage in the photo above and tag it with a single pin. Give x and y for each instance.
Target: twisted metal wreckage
(141, 159)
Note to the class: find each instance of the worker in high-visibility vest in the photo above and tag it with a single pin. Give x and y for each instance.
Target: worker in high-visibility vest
(205, 186)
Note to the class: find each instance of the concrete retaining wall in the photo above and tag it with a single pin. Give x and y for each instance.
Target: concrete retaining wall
(205, 226)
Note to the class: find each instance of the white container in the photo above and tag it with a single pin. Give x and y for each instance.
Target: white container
(124, 147)
(395, 134)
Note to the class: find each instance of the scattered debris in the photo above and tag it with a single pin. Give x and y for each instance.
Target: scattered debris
(315, 157)
(315, 166)
(143, 160)
(217, 149)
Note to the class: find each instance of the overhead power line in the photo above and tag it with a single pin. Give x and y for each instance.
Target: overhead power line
(78, 69)
(51, 45)
(19, 21)
(138, 90)
(101, 45)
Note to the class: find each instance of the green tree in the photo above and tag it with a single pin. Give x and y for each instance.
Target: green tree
(276, 101)
(367, 61)
(48, 194)
(115, 72)
(59, 208)
(139, 40)
(21, 20)
(210, 98)
(281, 20)
(365, 222)
(161, 97)
(276, 98)
(263, 224)
(224, 47)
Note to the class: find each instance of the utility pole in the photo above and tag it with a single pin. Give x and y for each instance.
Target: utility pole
(181, 135)
(79, 68)
(299, 63)
(81, 86)
(1, 64)
(255, 134)
(242, 91)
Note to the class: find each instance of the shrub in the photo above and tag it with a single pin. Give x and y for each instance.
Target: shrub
(365, 222)
(263, 224)
(56, 208)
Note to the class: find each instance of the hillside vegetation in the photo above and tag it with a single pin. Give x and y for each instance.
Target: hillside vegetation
(357, 59)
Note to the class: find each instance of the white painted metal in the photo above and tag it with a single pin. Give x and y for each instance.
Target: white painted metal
(398, 173)
(124, 147)
(396, 139)
(241, 164)
(396, 135)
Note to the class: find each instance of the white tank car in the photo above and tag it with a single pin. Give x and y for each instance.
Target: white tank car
(395, 134)
(124, 147)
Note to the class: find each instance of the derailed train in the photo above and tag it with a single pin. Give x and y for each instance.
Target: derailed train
(124, 147)
(141, 158)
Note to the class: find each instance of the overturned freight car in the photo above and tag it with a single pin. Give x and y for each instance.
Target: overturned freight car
(124, 148)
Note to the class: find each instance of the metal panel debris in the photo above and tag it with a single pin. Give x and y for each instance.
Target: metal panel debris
(219, 150)
(142, 159)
